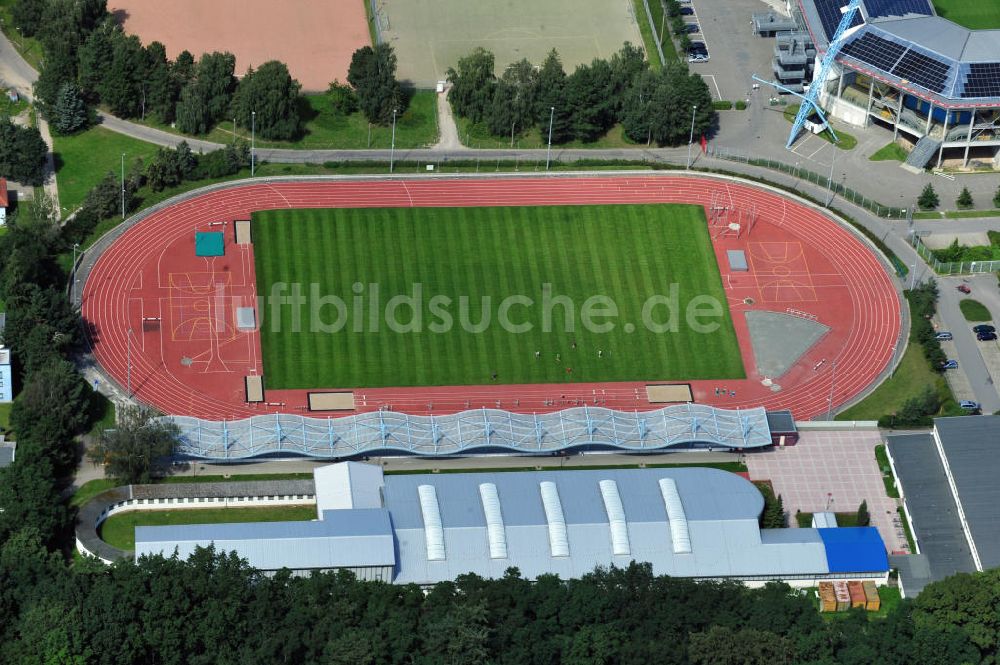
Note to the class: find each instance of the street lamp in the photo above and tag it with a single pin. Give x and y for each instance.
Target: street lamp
(72, 272)
(392, 147)
(123, 185)
(913, 275)
(691, 136)
(548, 154)
(253, 142)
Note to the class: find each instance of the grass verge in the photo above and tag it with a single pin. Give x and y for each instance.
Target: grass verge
(327, 129)
(119, 530)
(890, 152)
(804, 520)
(477, 135)
(467, 259)
(882, 457)
(648, 40)
(908, 381)
(906, 529)
(82, 160)
(974, 311)
(846, 141)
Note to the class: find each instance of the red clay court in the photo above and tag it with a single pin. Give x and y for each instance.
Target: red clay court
(315, 39)
(189, 357)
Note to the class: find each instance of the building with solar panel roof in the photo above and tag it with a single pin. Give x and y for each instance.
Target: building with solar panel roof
(929, 81)
(431, 527)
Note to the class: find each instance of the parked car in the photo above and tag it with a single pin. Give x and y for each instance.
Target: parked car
(698, 57)
(986, 336)
(983, 327)
(943, 336)
(689, 28)
(949, 364)
(687, 11)
(964, 288)
(969, 405)
(700, 49)
(698, 45)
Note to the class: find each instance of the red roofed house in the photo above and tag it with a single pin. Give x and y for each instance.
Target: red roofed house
(4, 202)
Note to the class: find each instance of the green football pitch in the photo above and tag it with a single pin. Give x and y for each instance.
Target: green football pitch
(974, 14)
(465, 264)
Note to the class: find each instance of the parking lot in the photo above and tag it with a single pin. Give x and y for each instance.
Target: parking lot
(735, 52)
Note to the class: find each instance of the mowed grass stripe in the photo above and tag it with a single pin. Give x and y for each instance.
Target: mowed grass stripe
(627, 253)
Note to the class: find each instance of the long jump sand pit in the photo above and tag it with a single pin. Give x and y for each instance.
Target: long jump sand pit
(431, 35)
(315, 38)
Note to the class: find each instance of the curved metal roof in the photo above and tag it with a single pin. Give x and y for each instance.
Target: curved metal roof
(487, 429)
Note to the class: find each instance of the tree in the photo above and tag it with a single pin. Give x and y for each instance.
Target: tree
(27, 16)
(863, 518)
(551, 95)
(95, 57)
(996, 199)
(69, 115)
(52, 408)
(472, 85)
(41, 325)
(372, 74)
(964, 199)
(515, 94)
(217, 83)
(29, 499)
(123, 85)
(273, 94)
(193, 116)
(162, 86)
(22, 153)
(928, 199)
(966, 603)
(134, 451)
(171, 167)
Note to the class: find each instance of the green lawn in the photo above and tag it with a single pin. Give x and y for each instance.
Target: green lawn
(119, 530)
(84, 159)
(476, 258)
(974, 311)
(974, 14)
(328, 129)
(5, 417)
(882, 457)
(909, 379)
(891, 151)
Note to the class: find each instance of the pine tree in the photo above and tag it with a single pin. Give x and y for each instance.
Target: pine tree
(964, 199)
(928, 199)
(863, 518)
(69, 115)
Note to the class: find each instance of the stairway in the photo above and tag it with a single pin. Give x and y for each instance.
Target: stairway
(921, 154)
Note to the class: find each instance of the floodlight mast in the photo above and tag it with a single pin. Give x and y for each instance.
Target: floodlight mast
(810, 102)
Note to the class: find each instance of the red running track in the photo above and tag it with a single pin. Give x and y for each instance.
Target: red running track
(192, 361)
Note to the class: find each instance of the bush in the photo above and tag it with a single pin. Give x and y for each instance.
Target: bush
(342, 98)
(741, 105)
(996, 199)
(722, 105)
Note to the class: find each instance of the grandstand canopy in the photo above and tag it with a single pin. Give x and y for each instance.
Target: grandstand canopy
(903, 43)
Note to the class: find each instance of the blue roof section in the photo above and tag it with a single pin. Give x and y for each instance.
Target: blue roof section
(854, 549)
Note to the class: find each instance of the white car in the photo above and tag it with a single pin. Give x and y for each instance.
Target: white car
(698, 57)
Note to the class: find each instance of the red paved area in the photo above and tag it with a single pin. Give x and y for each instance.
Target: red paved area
(833, 471)
(315, 38)
(192, 361)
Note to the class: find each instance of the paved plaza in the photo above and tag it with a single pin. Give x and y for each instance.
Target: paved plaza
(833, 471)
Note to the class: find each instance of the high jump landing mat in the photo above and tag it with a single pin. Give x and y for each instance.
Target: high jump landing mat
(209, 243)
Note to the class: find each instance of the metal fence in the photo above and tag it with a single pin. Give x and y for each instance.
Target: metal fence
(958, 268)
(379, 432)
(834, 188)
